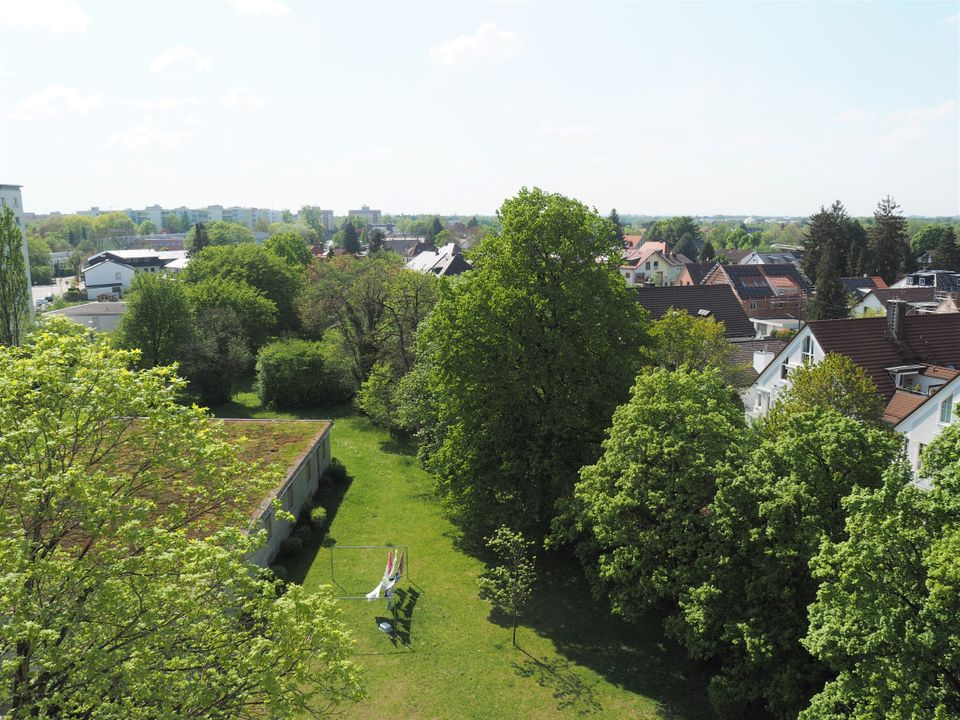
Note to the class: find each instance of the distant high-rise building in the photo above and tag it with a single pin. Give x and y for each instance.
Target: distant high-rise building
(372, 216)
(10, 196)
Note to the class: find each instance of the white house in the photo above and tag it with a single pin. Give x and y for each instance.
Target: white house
(918, 299)
(947, 280)
(928, 418)
(100, 316)
(107, 277)
(898, 352)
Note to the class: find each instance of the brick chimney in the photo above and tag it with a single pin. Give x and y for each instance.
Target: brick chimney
(896, 315)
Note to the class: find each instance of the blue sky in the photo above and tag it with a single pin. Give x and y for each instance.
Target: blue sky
(766, 108)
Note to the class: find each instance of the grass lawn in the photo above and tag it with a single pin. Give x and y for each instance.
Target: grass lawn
(453, 657)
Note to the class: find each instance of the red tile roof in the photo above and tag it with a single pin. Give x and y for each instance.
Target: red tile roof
(902, 404)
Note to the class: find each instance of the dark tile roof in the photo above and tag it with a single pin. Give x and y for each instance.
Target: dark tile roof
(718, 299)
(910, 294)
(746, 349)
(698, 271)
(852, 284)
(928, 339)
(734, 255)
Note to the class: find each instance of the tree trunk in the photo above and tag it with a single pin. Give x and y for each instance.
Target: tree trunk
(515, 629)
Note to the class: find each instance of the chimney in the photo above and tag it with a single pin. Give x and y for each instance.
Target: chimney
(896, 312)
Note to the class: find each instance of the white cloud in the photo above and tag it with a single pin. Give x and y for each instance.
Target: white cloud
(854, 116)
(57, 16)
(177, 56)
(489, 44)
(260, 7)
(566, 133)
(898, 137)
(147, 135)
(923, 115)
(167, 103)
(242, 97)
(54, 100)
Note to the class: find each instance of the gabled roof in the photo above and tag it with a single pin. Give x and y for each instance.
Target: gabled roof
(908, 294)
(104, 262)
(927, 339)
(902, 404)
(719, 300)
(698, 271)
(733, 255)
(760, 281)
(952, 385)
(852, 284)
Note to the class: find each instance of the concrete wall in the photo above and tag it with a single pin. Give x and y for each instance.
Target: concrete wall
(300, 485)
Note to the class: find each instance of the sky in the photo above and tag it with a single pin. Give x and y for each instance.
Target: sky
(766, 108)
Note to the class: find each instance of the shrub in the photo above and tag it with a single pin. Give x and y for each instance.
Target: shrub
(291, 546)
(300, 373)
(280, 571)
(73, 295)
(318, 516)
(41, 274)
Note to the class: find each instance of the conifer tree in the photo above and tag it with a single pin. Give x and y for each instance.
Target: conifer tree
(707, 252)
(617, 225)
(947, 256)
(351, 240)
(889, 249)
(830, 297)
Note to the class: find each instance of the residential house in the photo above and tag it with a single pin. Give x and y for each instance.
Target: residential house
(773, 258)
(918, 300)
(915, 353)
(111, 272)
(733, 256)
(857, 287)
(100, 316)
(924, 416)
(448, 260)
(652, 263)
(764, 291)
(707, 301)
(946, 280)
(694, 273)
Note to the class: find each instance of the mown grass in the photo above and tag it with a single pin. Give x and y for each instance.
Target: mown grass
(452, 656)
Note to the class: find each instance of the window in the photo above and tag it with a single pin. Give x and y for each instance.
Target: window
(656, 263)
(946, 410)
(784, 370)
(753, 306)
(806, 352)
(648, 266)
(116, 276)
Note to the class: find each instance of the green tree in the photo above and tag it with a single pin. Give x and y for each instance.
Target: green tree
(197, 239)
(948, 252)
(672, 232)
(351, 238)
(686, 246)
(678, 339)
(147, 227)
(291, 247)
(927, 238)
(173, 223)
(830, 299)
(218, 233)
(121, 598)
(112, 225)
(157, 320)
(14, 285)
(836, 383)
(256, 312)
(38, 251)
(767, 521)
(310, 236)
(298, 373)
(215, 355)
(509, 584)
(312, 218)
(377, 397)
(436, 227)
(835, 234)
(707, 253)
(639, 516)
(887, 617)
(375, 240)
(531, 352)
(255, 265)
(889, 250)
(614, 218)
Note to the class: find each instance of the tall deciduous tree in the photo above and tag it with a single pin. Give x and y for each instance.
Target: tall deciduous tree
(157, 320)
(639, 516)
(291, 247)
(678, 339)
(509, 583)
(887, 613)
(767, 521)
(256, 312)
(531, 352)
(126, 589)
(889, 249)
(215, 355)
(14, 287)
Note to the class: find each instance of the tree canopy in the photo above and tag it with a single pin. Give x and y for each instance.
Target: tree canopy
(219, 233)
(291, 246)
(157, 320)
(678, 339)
(528, 356)
(14, 288)
(126, 589)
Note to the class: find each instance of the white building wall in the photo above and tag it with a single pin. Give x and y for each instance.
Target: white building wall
(923, 425)
(303, 483)
(762, 395)
(105, 277)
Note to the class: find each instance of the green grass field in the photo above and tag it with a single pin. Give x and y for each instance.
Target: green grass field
(452, 657)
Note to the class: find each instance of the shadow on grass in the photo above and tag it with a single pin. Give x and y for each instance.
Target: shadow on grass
(401, 617)
(330, 496)
(636, 656)
(399, 444)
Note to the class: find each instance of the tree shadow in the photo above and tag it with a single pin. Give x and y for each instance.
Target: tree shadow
(636, 656)
(330, 495)
(559, 675)
(399, 444)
